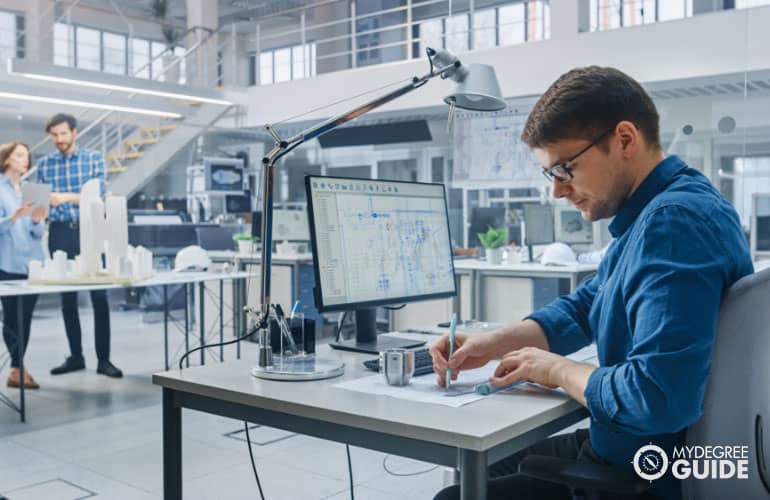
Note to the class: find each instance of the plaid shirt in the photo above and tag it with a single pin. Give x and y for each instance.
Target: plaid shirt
(67, 175)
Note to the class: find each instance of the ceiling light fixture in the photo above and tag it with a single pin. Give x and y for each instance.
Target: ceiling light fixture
(107, 81)
(89, 104)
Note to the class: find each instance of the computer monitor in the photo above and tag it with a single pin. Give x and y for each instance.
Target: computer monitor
(570, 226)
(290, 225)
(238, 204)
(216, 238)
(538, 224)
(377, 243)
(223, 175)
(482, 218)
(759, 238)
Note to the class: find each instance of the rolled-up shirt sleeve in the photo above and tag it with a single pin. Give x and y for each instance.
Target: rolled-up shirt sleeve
(672, 298)
(565, 320)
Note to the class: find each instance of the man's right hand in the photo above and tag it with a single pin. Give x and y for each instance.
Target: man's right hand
(471, 351)
(56, 199)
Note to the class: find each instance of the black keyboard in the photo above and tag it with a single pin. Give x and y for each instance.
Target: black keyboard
(423, 363)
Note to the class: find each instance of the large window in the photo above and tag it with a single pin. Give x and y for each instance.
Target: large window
(64, 44)
(611, 14)
(511, 26)
(87, 48)
(10, 41)
(505, 25)
(97, 50)
(114, 53)
(485, 29)
(284, 64)
(140, 58)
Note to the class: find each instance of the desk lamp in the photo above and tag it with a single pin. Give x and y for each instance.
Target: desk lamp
(476, 89)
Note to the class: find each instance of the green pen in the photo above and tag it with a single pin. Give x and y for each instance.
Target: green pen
(452, 328)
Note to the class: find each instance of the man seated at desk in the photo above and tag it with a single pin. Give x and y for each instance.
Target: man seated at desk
(651, 308)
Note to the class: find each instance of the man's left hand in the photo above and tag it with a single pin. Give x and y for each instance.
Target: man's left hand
(531, 364)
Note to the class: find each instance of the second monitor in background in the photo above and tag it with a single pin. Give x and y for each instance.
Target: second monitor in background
(377, 243)
(570, 227)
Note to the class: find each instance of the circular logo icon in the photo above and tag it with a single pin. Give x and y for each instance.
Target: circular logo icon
(650, 462)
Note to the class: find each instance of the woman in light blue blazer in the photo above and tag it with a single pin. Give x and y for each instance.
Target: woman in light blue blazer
(21, 227)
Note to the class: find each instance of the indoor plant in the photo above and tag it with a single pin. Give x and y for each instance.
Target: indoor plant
(247, 244)
(494, 240)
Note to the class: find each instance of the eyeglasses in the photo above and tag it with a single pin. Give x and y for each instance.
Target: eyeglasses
(562, 172)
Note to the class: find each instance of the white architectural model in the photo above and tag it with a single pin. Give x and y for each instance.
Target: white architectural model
(103, 231)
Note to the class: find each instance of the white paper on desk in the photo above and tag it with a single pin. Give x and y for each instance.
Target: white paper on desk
(425, 389)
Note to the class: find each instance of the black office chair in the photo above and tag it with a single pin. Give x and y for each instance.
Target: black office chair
(735, 410)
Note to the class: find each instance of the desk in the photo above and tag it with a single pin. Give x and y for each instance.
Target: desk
(10, 288)
(481, 273)
(468, 438)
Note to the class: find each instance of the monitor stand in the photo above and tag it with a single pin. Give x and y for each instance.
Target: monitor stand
(366, 336)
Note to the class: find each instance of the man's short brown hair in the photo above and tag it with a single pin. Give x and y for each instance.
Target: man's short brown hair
(60, 118)
(586, 102)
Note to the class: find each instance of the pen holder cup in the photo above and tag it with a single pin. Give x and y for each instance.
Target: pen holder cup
(275, 336)
(397, 366)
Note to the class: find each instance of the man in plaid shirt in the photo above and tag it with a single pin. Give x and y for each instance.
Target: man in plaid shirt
(66, 170)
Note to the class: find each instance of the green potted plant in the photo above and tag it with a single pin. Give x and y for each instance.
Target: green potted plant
(247, 244)
(494, 240)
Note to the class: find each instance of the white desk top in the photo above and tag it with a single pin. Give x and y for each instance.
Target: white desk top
(229, 255)
(481, 265)
(478, 426)
(20, 287)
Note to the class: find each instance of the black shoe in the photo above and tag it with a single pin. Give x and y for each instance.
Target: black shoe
(107, 368)
(71, 364)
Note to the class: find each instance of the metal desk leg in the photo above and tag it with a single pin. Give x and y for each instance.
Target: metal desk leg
(165, 323)
(473, 474)
(238, 314)
(187, 322)
(20, 337)
(221, 322)
(172, 447)
(201, 325)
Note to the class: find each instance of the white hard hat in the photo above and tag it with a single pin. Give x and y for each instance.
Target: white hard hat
(192, 258)
(558, 254)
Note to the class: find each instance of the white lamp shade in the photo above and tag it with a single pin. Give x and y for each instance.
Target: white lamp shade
(478, 91)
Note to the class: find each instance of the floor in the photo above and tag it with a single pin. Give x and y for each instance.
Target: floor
(88, 436)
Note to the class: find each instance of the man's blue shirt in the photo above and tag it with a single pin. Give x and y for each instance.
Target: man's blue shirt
(67, 174)
(652, 311)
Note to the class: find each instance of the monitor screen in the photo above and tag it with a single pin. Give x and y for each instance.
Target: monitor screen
(571, 227)
(482, 218)
(378, 242)
(290, 225)
(538, 224)
(223, 175)
(763, 233)
(238, 203)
